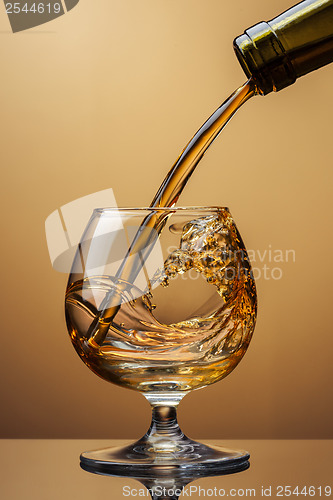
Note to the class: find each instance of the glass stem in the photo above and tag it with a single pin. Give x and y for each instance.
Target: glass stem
(165, 488)
(164, 434)
(166, 494)
(164, 424)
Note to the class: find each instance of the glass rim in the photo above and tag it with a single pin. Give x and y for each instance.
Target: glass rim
(213, 208)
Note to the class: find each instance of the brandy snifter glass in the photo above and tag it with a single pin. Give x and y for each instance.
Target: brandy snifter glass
(162, 301)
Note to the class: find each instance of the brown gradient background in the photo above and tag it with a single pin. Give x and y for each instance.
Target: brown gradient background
(104, 96)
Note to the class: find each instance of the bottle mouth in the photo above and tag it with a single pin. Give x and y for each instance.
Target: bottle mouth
(264, 59)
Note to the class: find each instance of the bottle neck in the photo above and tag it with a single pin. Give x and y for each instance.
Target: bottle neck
(275, 53)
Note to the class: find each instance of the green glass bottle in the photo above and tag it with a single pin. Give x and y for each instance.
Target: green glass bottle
(277, 52)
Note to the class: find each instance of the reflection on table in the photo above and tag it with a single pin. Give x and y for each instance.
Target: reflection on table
(49, 470)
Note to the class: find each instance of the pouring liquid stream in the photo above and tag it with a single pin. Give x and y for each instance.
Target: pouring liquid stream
(166, 196)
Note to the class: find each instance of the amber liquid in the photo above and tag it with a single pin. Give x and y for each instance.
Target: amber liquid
(177, 178)
(170, 190)
(142, 366)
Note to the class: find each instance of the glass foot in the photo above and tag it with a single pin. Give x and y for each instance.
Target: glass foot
(165, 450)
(134, 460)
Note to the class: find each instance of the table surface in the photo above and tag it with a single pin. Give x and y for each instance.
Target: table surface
(49, 470)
